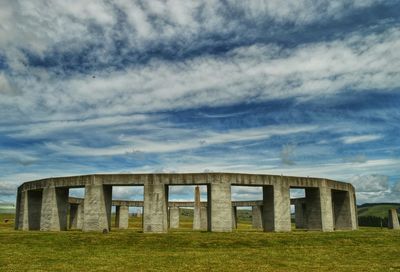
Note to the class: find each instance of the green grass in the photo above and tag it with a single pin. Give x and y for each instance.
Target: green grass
(368, 249)
(379, 210)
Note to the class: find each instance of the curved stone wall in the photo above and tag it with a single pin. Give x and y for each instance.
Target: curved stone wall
(328, 204)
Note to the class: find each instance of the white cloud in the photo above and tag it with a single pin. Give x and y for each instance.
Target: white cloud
(21, 157)
(396, 187)
(287, 153)
(248, 74)
(5, 86)
(195, 139)
(370, 183)
(127, 192)
(360, 138)
(7, 189)
(66, 108)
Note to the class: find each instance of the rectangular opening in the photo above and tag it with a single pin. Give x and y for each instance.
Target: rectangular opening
(187, 207)
(127, 207)
(247, 207)
(34, 209)
(298, 208)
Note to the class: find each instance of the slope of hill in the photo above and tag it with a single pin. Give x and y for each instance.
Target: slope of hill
(376, 209)
(7, 208)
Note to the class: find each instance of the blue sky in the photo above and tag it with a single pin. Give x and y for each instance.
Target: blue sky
(303, 87)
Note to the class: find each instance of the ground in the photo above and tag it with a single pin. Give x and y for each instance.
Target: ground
(368, 249)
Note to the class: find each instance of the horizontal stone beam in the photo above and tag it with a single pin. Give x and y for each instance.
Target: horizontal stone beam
(240, 179)
(183, 204)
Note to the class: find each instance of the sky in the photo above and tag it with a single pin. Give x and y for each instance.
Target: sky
(295, 87)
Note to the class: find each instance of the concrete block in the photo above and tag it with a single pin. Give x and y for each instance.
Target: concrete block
(312, 211)
(97, 208)
(234, 217)
(30, 209)
(76, 216)
(155, 205)
(54, 209)
(196, 209)
(256, 217)
(122, 217)
(300, 214)
(393, 219)
(276, 208)
(342, 210)
(174, 217)
(203, 218)
(326, 208)
(219, 207)
(21, 219)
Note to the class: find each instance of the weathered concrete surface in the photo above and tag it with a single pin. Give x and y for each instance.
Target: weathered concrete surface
(122, 217)
(234, 217)
(341, 210)
(300, 216)
(18, 213)
(76, 216)
(174, 217)
(180, 204)
(54, 209)
(30, 209)
(353, 209)
(276, 214)
(276, 208)
(313, 219)
(97, 208)
(393, 219)
(21, 220)
(256, 217)
(203, 218)
(155, 214)
(326, 207)
(196, 210)
(220, 207)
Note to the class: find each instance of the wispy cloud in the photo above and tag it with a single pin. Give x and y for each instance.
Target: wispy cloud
(130, 86)
(360, 138)
(287, 154)
(195, 139)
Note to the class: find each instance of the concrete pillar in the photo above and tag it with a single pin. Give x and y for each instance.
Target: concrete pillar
(117, 216)
(326, 208)
(21, 218)
(155, 205)
(256, 217)
(313, 219)
(353, 210)
(300, 214)
(234, 217)
(54, 209)
(122, 217)
(276, 208)
(219, 207)
(97, 208)
(174, 217)
(342, 214)
(393, 219)
(29, 210)
(76, 216)
(196, 210)
(73, 215)
(17, 210)
(203, 218)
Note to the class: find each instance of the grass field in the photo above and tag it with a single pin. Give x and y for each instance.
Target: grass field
(369, 249)
(379, 210)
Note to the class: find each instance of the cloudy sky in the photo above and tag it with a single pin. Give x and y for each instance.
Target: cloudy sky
(295, 87)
